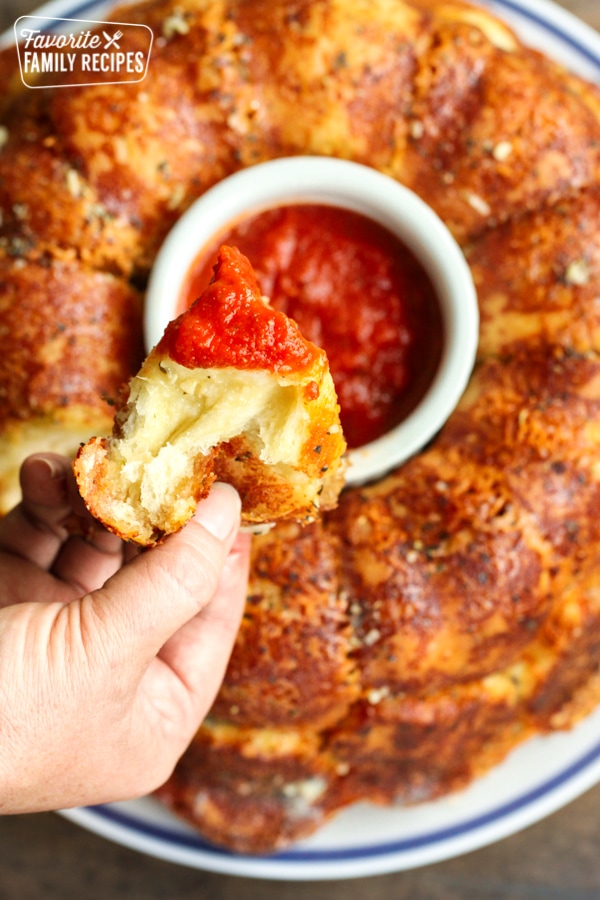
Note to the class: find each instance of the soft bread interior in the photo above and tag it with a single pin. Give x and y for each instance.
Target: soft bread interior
(146, 479)
(202, 409)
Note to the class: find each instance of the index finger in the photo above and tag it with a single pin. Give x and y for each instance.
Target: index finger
(50, 511)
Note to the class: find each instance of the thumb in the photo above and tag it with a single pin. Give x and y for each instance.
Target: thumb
(155, 594)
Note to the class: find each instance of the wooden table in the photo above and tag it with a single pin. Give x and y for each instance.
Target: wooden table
(46, 857)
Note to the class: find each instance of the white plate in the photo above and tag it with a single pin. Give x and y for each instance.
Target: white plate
(534, 781)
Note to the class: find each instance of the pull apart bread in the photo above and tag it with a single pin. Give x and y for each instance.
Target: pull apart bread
(406, 641)
(232, 391)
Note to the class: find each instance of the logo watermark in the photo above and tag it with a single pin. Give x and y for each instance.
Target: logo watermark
(76, 52)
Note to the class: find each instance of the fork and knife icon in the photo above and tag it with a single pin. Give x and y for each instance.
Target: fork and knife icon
(111, 40)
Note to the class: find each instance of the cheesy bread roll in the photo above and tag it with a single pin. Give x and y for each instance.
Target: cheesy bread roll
(232, 391)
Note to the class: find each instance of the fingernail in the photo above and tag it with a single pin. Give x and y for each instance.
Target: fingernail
(219, 513)
(55, 470)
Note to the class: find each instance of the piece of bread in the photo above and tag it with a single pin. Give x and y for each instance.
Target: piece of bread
(56, 316)
(232, 391)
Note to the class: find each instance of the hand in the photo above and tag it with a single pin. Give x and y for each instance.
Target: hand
(109, 661)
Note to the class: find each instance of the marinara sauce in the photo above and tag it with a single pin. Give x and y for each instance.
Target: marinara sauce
(208, 334)
(356, 291)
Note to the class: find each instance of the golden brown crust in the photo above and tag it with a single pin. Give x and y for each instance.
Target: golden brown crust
(54, 319)
(49, 210)
(495, 133)
(537, 277)
(296, 621)
(457, 559)
(256, 790)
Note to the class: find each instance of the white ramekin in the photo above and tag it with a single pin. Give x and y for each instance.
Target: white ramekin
(309, 179)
